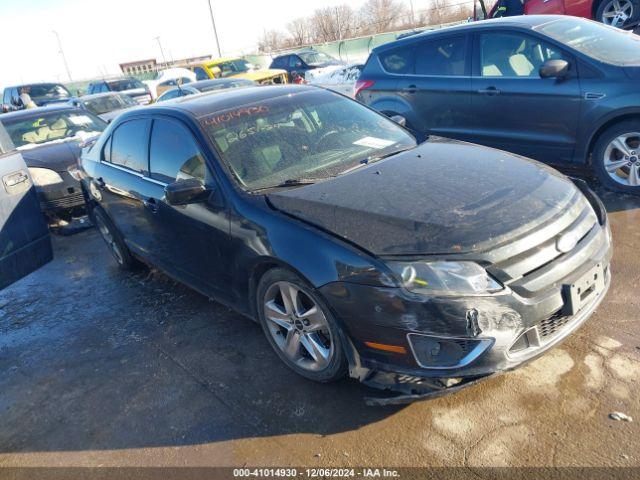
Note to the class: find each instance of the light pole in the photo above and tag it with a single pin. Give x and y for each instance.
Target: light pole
(215, 32)
(161, 50)
(64, 59)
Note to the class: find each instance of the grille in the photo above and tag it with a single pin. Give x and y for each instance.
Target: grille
(533, 263)
(552, 325)
(69, 201)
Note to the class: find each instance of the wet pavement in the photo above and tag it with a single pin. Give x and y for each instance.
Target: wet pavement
(106, 368)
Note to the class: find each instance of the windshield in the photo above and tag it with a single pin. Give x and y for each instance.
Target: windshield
(305, 136)
(52, 91)
(316, 58)
(232, 67)
(52, 126)
(108, 103)
(126, 84)
(602, 42)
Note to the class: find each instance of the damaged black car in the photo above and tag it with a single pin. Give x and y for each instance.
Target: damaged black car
(49, 139)
(415, 268)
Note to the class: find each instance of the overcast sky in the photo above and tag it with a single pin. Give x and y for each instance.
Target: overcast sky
(97, 35)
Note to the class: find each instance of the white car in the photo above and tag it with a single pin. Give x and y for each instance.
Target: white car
(340, 78)
(168, 79)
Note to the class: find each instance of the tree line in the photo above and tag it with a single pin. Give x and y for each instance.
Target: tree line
(329, 24)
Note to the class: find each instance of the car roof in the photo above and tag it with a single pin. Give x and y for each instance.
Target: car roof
(212, 102)
(521, 21)
(93, 96)
(34, 112)
(20, 85)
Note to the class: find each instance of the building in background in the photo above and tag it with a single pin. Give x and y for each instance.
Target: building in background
(140, 67)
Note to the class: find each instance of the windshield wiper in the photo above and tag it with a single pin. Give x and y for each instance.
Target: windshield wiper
(290, 182)
(371, 159)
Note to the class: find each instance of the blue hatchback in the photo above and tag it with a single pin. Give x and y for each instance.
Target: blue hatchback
(558, 89)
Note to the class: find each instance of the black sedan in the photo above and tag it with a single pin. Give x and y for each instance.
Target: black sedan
(359, 251)
(204, 86)
(49, 139)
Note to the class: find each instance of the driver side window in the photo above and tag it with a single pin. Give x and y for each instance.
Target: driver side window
(514, 55)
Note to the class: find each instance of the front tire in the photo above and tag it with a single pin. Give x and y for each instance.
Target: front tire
(616, 157)
(300, 327)
(113, 239)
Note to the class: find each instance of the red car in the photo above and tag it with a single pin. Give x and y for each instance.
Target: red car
(619, 13)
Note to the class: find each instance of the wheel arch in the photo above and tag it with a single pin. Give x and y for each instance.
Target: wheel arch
(604, 126)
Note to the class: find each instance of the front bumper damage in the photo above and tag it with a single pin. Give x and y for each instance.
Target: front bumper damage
(62, 201)
(516, 327)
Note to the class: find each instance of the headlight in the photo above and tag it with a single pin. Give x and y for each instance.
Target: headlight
(43, 176)
(445, 278)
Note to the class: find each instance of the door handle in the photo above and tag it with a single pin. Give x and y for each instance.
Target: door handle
(410, 89)
(150, 204)
(489, 91)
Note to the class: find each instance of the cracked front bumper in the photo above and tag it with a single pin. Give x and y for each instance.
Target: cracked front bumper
(392, 316)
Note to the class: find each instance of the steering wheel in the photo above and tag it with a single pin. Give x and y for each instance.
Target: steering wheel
(325, 138)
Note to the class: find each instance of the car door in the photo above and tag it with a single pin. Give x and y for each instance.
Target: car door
(516, 110)
(127, 198)
(25, 244)
(192, 240)
(439, 88)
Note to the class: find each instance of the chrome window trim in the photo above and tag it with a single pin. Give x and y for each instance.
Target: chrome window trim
(133, 172)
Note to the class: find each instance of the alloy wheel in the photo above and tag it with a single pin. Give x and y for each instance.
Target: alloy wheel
(298, 326)
(617, 12)
(110, 241)
(622, 159)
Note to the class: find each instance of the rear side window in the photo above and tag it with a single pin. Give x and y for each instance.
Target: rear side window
(398, 60)
(129, 145)
(174, 153)
(444, 56)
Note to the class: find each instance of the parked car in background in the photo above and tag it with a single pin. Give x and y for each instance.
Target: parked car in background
(168, 79)
(298, 64)
(206, 86)
(104, 105)
(341, 79)
(618, 13)
(49, 140)
(559, 89)
(413, 267)
(237, 68)
(130, 86)
(41, 94)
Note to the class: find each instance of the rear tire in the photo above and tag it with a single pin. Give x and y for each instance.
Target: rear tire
(616, 157)
(112, 237)
(300, 327)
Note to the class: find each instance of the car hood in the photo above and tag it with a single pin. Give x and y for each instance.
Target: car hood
(443, 197)
(54, 156)
(262, 74)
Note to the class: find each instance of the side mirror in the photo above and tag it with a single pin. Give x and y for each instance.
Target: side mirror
(399, 119)
(184, 192)
(554, 69)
